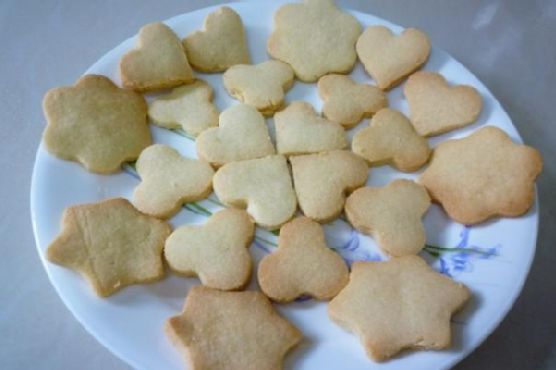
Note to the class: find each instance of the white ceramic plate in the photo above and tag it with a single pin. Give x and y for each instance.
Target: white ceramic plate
(492, 259)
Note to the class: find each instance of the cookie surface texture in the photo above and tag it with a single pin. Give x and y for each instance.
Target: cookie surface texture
(217, 252)
(231, 331)
(262, 186)
(315, 38)
(389, 58)
(111, 243)
(220, 45)
(398, 304)
(321, 182)
(392, 215)
(158, 62)
(169, 180)
(391, 139)
(483, 175)
(302, 265)
(96, 124)
(347, 102)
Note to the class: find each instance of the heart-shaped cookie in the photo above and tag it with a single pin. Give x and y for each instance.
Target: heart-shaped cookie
(302, 265)
(389, 58)
(242, 134)
(300, 130)
(158, 62)
(220, 45)
(436, 107)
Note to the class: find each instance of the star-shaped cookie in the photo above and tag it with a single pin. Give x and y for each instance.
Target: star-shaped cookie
(231, 331)
(396, 305)
(111, 243)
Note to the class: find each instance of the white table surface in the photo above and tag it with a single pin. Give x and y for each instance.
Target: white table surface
(510, 45)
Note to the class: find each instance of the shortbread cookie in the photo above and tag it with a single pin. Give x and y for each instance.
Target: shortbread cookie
(231, 331)
(111, 243)
(398, 304)
(347, 102)
(262, 86)
(168, 181)
(391, 139)
(302, 265)
(392, 215)
(158, 62)
(300, 130)
(483, 175)
(242, 134)
(436, 107)
(389, 58)
(215, 252)
(263, 186)
(188, 107)
(321, 182)
(315, 38)
(96, 124)
(220, 45)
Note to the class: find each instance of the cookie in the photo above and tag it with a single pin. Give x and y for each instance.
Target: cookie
(391, 139)
(315, 38)
(321, 182)
(96, 124)
(436, 107)
(220, 45)
(231, 331)
(187, 107)
(300, 130)
(389, 58)
(262, 86)
(392, 215)
(217, 252)
(483, 175)
(158, 62)
(262, 186)
(398, 304)
(347, 102)
(111, 243)
(303, 265)
(242, 134)
(169, 180)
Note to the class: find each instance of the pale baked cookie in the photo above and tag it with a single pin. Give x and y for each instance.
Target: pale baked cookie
(391, 139)
(398, 304)
(302, 265)
(158, 62)
(220, 45)
(436, 107)
(482, 176)
(315, 38)
(322, 180)
(262, 186)
(392, 215)
(169, 180)
(217, 252)
(389, 58)
(242, 134)
(300, 130)
(262, 86)
(347, 102)
(231, 331)
(96, 124)
(111, 243)
(187, 107)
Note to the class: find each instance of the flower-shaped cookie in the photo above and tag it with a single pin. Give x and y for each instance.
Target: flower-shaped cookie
(96, 124)
(168, 181)
(315, 38)
(262, 86)
(482, 176)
